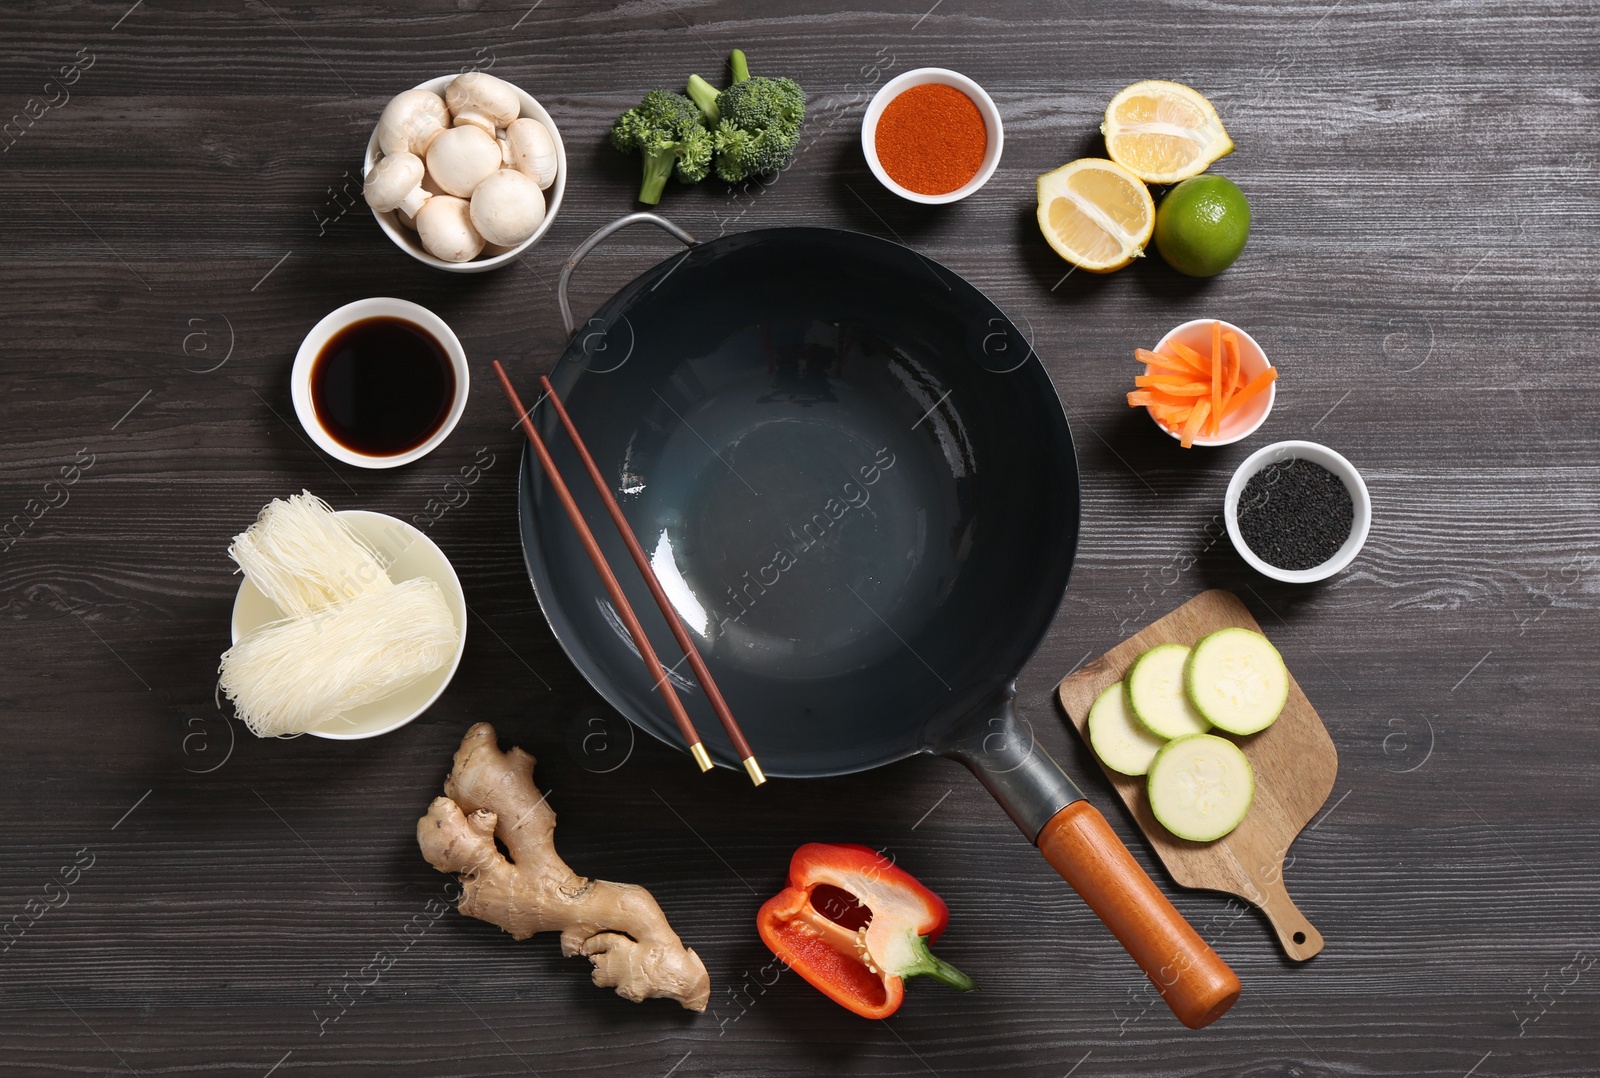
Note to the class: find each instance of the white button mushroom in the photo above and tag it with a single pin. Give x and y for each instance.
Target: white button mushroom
(427, 185)
(482, 101)
(461, 157)
(444, 224)
(395, 183)
(411, 121)
(507, 208)
(529, 148)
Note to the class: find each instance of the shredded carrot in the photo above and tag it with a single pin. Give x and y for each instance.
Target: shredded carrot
(1196, 419)
(1174, 363)
(1191, 394)
(1144, 398)
(1184, 352)
(1230, 372)
(1177, 386)
(1256, 385)
(1217, 367)
(1175, 402)
(1172, 419)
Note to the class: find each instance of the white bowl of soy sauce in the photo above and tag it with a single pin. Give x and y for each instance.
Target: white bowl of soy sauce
(1297, 511)
(380, 382)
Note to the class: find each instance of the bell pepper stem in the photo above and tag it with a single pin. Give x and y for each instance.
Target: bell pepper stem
(931, 965)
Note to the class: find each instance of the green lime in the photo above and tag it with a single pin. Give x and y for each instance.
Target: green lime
(1202, 224)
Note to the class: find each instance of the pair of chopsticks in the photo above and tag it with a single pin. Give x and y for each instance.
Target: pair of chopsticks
(663, 683)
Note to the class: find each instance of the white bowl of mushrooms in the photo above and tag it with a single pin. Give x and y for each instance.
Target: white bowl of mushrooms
(465, 172)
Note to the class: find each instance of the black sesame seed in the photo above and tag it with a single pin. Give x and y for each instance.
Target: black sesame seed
(1295, 514)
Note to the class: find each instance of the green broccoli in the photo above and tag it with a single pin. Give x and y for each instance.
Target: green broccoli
(757, 120)
(666, 129)
(704, 94)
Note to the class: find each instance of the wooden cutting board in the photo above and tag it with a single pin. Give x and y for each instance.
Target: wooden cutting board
(1294, 761)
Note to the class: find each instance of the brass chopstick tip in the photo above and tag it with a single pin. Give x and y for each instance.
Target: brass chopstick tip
(701, 756)
(754, 770)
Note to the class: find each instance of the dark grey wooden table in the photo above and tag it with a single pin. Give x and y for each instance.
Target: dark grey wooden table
(181, 202)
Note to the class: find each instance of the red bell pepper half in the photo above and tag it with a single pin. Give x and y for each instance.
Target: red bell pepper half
(858, 963)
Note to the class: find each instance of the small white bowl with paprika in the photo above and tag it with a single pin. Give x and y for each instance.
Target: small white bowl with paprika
(932, 136)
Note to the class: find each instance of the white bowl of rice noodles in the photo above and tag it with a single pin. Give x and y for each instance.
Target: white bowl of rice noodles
(406, 554)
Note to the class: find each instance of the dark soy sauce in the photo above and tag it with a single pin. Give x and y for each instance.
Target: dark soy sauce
(382, 386)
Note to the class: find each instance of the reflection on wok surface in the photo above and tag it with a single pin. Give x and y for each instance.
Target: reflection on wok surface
(853, 480)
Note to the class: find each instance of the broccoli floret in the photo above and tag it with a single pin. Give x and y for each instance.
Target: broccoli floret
(667, 131)
(757, 121)
(704, 94)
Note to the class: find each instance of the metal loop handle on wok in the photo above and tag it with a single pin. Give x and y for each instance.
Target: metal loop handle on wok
(600, 235)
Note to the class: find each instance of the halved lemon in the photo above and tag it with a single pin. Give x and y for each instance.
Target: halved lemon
(1163, 132)
(1096, 214)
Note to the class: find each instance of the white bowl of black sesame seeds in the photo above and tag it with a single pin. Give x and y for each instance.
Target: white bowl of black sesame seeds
(1297, 511)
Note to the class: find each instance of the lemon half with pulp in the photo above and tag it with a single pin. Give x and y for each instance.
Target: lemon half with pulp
(1096, 214)
(1163, 132)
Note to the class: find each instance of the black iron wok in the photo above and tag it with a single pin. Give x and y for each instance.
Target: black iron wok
(856, 483)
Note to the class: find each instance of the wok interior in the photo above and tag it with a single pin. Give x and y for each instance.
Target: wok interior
(860, 499)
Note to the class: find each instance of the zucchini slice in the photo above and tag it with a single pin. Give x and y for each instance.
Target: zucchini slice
(1117, 738)
(1200, 787)
(1156, 696)
(1237, 680)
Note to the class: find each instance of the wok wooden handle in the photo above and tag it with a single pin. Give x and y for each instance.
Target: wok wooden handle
(1197, 985)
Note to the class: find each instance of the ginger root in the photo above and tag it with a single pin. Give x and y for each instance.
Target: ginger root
(490, 794)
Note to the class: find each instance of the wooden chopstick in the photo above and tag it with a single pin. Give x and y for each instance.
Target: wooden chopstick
(668, 611)
(691, 737)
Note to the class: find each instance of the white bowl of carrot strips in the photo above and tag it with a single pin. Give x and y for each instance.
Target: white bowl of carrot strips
(1207, 383)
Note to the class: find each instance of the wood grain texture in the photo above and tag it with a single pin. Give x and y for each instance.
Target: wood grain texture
(1426, 224)
(1294, 761)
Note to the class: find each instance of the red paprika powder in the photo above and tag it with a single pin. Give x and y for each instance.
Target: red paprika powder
(931, 139)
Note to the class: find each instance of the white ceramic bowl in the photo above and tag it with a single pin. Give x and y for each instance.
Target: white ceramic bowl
(1316, 454)
(921, 77)
(406, 553)
(407, 240)
(333, 322)
(1252, 361)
